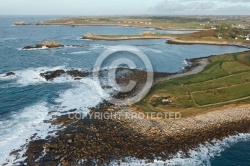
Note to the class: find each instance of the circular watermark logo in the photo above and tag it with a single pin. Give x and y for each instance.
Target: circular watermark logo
(112, 74)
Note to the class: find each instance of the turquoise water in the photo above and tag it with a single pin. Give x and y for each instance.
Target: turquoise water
(25, 99)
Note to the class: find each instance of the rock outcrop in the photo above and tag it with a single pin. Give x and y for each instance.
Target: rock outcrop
(9, 74)
(46, 44)
(57, 73)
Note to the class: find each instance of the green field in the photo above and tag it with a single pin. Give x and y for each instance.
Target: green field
(226, 80)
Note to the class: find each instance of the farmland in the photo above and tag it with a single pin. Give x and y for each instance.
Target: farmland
(225, 81)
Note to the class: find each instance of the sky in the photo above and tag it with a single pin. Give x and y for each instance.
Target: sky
(125, 7)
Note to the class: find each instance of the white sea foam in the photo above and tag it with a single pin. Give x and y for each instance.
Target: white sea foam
(185, 62)
(9, 38)
(79, 52)
(151, 50)
(29, 76)
(18, 127)
(71, 46)
(42, 48)
(122, 47)
(199, 157)
(83, 39)
(85, 93)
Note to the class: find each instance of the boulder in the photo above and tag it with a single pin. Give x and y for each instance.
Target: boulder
(9, 74)
(77, 73)
(52, 74)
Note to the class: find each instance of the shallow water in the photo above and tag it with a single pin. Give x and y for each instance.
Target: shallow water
(26, 98)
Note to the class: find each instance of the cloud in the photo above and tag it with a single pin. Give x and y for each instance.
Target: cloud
(168, 6)
(232, 10)
(237, 1)
(202, 7)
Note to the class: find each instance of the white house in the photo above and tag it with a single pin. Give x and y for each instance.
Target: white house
(248, 37)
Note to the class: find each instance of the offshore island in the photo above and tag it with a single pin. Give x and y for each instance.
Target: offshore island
(212, 95)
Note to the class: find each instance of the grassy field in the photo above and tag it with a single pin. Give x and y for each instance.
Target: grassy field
(226, 80)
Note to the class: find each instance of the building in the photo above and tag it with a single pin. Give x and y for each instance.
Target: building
(248, 37)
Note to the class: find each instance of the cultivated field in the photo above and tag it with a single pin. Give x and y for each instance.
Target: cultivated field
(226, 80)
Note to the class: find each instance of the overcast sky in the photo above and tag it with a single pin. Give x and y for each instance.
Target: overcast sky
(124, 7)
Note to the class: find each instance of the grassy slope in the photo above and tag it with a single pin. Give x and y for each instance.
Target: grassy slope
(225, 81)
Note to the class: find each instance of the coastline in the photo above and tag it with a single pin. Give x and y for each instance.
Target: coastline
(197, 66)
(170, 39)
(102, 141)
(91, 141)
(120, 25)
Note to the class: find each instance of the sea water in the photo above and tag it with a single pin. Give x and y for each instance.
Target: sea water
(27, 100)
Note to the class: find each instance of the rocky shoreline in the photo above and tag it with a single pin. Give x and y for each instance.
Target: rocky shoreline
(100, 141)
(91, 141)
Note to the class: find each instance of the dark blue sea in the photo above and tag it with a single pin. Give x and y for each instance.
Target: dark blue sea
(26, 99)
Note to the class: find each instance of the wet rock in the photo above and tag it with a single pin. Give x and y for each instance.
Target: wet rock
(77, 73)
(29, 47)
(15, 153)
(57, 73)
(52, 74)
(9, 74)
(57, 157)
(49, 163)
(48, 44)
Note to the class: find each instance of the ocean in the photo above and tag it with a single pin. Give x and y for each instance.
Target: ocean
(26, 100)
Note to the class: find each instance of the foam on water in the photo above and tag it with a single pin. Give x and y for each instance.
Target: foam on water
(200, 156)
(42, 48)
(122, 47)
(8, 38)
(84, 94)
(152, 50)
(84, 39)
(29, 76)
(79, 52)
(18, 127)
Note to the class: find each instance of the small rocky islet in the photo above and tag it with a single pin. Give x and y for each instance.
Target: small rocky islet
(48, 44)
